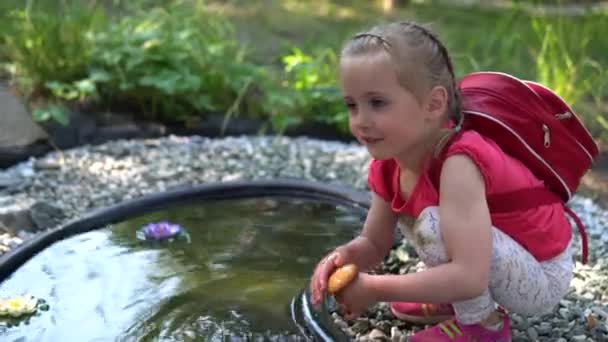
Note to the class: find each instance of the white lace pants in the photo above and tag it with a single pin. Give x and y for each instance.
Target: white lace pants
(518, 282)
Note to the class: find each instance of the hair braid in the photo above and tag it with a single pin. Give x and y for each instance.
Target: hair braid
(456, 105)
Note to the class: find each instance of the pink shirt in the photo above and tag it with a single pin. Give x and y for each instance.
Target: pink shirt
(544, 231)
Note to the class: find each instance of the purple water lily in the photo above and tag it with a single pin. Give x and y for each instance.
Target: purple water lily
(161, 230)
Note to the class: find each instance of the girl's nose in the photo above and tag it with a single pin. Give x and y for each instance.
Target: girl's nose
(361, 121)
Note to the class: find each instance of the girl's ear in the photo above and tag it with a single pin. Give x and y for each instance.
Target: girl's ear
(436, 102)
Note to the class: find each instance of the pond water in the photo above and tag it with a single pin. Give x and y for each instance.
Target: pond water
(234, 279)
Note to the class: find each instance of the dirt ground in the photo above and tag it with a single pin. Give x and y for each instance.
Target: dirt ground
(595, 183)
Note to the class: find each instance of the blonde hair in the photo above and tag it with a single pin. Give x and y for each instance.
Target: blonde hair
(421, 62)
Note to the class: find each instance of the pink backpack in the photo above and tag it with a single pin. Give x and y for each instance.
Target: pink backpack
(533, 124)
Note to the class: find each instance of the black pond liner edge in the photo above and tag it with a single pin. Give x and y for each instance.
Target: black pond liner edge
(288, 188)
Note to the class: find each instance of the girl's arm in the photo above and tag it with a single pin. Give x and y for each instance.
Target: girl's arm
(371, 246)
(366, 250)
(466, 231)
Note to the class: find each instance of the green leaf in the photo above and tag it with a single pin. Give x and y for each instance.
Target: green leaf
(52, 112)
(99, 76)
(602, 121)
(86, 87)
(41, 115)
(60, 115)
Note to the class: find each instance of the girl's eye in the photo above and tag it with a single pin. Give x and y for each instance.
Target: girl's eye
(377, 103)
(350, 105)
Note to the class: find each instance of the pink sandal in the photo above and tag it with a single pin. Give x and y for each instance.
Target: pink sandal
(452, 331)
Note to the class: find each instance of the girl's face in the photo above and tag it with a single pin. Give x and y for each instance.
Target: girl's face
(383, 116)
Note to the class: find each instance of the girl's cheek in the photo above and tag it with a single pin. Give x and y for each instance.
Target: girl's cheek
(351, 124)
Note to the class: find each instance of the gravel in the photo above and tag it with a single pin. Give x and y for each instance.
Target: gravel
(43, 193)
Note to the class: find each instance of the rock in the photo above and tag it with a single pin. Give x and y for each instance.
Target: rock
(378, 335)
(396, 334)
(385, 326)
(8, 182)
(80, 129)
(20, 136)
(544, 328)
(565, 313)
(341, 324)
(362, 325)
(14, 242)
(29, 217)
(47, 164)
(600, 312)
(578, 338)
(362, 338)
(18, 129)
(16, 216)
(532, 333)
(519, 322)
(45, 215)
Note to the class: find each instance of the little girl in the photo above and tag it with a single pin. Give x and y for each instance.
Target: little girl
(404, 106)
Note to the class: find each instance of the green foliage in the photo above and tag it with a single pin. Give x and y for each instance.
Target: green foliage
(563, 53)
(176, 61)
(310, 91)
(53, 112)
(564, 64)
(499, 48)
(49, 43)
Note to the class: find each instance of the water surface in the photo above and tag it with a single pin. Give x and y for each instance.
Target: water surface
(233, 281)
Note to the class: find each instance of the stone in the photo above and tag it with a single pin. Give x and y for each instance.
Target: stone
(16, 216)
(544, 328)
(532, 333)
(378, 335)
(47, 164)
(362, 325)
(10, 182)
(520, 322)
(18, 128)
(396, 334)
(45, 215)
(578, 338)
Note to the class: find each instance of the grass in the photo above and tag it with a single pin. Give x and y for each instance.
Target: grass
(52, 53)
(566, 53)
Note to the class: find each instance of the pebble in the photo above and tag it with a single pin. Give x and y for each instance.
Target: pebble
(532, 333)
(378, 335)
(396, 334)
(544, 328)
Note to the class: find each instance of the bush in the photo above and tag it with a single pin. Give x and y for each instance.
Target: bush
(49, 43)
(309, 91)
(564, 64)
(178, 62)
(174, 60)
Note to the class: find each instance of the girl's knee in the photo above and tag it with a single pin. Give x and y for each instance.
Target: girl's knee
(426, 230)
(426, 237)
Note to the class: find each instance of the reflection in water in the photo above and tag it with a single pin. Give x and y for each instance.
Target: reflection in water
(234, 279)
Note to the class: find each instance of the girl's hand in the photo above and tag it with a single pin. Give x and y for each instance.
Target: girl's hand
(356, 297)
(327, 265)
